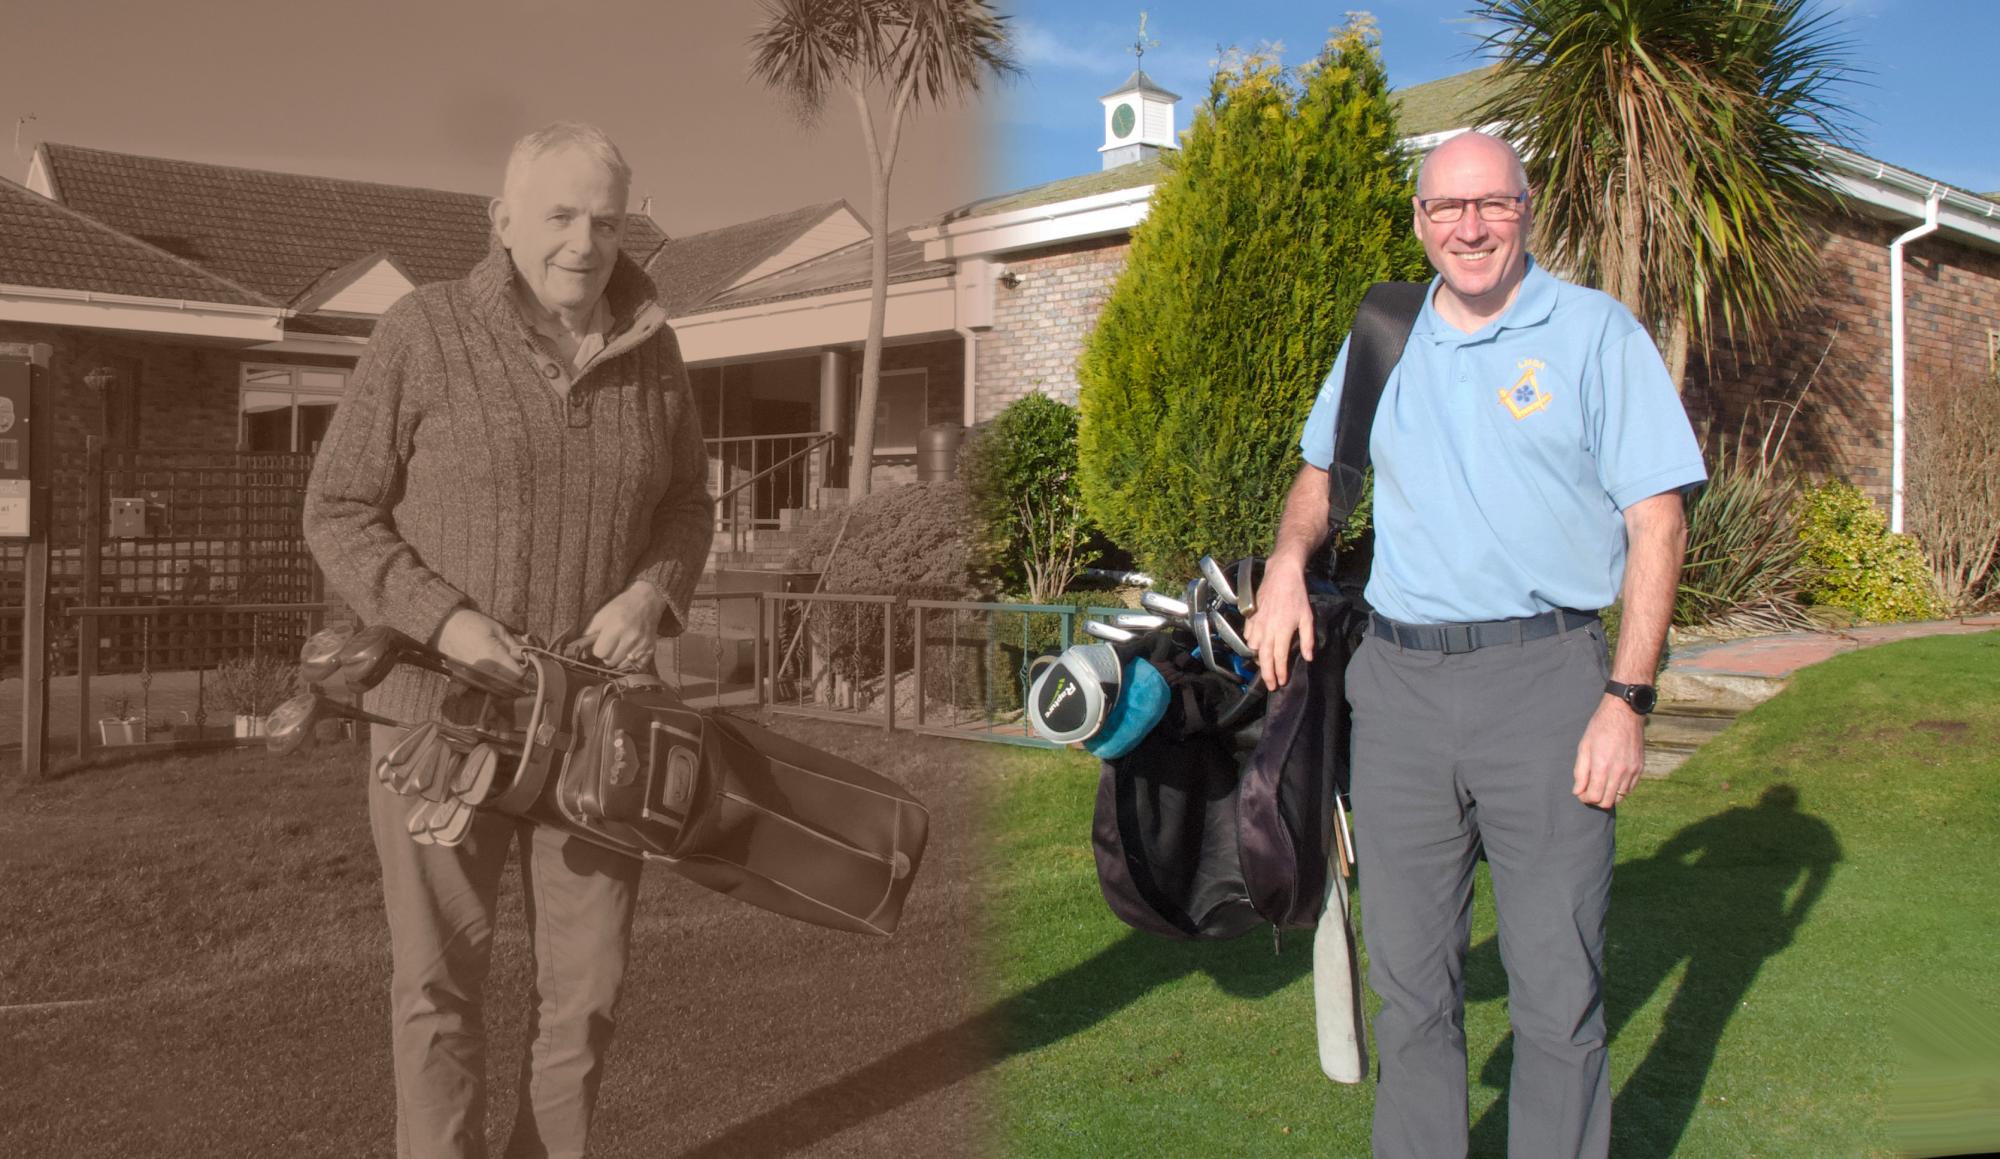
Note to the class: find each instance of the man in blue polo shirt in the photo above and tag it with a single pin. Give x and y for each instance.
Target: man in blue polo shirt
(1530, 453)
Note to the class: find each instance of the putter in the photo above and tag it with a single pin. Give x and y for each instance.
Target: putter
(1174, 610)
(1104, 631)
(1246, 585)
(1219, 583)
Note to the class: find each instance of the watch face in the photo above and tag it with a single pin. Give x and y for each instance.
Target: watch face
(1122, 120)
(1644, 698)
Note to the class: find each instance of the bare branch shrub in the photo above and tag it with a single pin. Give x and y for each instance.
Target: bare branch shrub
(1952, 484)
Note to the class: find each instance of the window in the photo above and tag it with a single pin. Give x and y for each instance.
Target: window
(901, 410)
(287, 408)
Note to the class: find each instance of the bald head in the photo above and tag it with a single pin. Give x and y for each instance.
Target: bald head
(1481, 152)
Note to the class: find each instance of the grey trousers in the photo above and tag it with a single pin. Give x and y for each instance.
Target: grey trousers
(579, 899)
(1452, 751)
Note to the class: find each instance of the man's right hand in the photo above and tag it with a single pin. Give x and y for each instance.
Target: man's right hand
(1283, 615)
(477, 640)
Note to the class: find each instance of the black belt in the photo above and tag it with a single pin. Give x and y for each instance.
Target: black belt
(1454, 638)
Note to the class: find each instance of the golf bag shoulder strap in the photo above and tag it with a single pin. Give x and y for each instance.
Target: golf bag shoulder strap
(1381, 329)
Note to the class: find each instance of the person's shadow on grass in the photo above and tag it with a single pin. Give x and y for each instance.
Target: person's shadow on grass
(1048, 1012)
(1723, 895)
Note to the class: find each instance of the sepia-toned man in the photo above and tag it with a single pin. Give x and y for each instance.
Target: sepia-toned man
(518, 454)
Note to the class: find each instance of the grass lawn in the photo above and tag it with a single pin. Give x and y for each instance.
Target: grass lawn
(1779, 902)
(194, 962)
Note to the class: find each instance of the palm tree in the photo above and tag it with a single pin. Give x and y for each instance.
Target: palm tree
(1672, 148)
(904, 55)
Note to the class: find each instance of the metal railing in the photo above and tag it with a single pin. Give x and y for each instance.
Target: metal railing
(831, 656)
(761, 475)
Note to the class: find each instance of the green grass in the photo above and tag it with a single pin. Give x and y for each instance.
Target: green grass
(1778, 903)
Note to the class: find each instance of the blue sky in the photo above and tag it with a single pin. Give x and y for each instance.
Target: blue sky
(1925, 61)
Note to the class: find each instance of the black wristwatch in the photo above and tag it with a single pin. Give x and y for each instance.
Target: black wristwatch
(1640, 698)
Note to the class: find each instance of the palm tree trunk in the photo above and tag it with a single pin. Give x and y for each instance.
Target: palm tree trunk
(1677, 352)
(881, 163)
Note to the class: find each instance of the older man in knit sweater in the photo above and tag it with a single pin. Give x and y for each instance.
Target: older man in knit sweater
(518, 454)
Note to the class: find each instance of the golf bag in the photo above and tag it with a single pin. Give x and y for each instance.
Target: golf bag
(618, 760)
(1224, 816)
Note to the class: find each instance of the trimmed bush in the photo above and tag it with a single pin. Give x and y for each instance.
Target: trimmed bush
(1026, 528)
(904, 541)
(1290, 196)
(1855, 562)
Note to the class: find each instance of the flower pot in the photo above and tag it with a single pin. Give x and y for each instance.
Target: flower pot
(121, 731)
(249, 725)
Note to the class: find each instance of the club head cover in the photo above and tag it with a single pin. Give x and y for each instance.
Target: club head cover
(1070, 699)
(1142, 701)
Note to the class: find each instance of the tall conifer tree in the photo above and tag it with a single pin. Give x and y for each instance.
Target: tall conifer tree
(1289, 197)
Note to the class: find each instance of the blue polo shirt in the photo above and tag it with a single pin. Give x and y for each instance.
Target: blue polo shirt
(1504, 458)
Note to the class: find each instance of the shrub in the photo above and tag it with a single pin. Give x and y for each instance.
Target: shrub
(1952, 501)
(1289, 197)
(1745, 562)
(254, 685)
(1026, 529)
(907, 541)
(1855, 562)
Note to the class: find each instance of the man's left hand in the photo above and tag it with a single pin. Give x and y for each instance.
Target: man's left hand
(1611, 754)
(625, 630)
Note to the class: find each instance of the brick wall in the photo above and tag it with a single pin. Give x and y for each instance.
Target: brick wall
(185, 396)
(1039, 327)
(1834, 361)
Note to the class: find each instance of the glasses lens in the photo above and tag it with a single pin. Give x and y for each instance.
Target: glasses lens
(1443, 210)
(1499, 208)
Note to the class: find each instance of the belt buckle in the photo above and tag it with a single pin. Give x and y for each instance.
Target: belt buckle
(1457, 638)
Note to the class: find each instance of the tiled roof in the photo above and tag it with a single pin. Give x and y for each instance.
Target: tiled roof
(691, 269)
(1147, 172)
(843, 269)
(1145, 84)
(48, 246)
(1445, 103)
(281, 233)
(337, 325)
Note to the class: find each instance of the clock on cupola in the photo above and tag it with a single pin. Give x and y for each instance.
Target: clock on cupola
(1138, 115)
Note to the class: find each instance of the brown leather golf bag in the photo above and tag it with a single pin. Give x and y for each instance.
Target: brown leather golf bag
(620, 761)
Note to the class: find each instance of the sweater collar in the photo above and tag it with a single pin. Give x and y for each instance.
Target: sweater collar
(631, 296)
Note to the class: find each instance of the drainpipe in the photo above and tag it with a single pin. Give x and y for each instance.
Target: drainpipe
(1931, 204)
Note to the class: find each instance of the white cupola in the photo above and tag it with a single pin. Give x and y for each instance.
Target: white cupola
(1138, 121)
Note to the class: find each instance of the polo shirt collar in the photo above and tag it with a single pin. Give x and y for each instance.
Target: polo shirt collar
(1532, 306)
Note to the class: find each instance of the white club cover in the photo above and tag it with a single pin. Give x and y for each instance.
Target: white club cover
(1337, 1010)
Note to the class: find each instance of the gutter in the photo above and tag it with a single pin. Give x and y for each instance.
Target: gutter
(100, 298)
(1933, 201)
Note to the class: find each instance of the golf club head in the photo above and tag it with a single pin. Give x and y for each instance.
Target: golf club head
(1174, 610)
(289, 728)
(1104, 631)
(373, 652)
(1217, 582)
(319, 656)
(1138, 621)
(1198, 597)
(1204, 639)
(1230, 633)
(1249, 573)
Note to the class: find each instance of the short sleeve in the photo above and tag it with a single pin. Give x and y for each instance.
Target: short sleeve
(1316, 442)
(1643, 441)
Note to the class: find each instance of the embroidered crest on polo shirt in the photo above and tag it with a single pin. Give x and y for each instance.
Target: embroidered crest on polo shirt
(1526, 396)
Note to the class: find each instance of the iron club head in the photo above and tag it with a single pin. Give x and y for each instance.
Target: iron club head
(1139, 621)
(1174, 610)
(1104, 631)
(1217, 581)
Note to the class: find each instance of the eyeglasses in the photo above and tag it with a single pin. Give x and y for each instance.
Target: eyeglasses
(1448, 210)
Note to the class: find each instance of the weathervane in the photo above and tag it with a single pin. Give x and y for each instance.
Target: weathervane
(1140, 45)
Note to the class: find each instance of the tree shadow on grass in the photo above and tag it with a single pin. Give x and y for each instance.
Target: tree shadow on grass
(1069, 1003)
(1723, 895)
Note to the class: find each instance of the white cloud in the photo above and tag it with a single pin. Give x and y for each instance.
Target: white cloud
(1039, 47)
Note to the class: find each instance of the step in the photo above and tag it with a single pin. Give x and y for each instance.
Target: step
(1729, 690)
(1675, 731)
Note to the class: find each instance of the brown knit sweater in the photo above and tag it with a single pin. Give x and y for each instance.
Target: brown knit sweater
(456, 472)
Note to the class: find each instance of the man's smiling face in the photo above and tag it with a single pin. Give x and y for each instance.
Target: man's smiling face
(562, 221)
(1482, 262)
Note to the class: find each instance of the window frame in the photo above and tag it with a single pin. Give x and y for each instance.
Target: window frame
(294, 386)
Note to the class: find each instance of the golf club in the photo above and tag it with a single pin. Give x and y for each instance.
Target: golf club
(370, 655)
(1246, 585)
(1174, 610)
(290, 724)
(1139, 621)
(1104, 631)
(1212, 572)
(1230, 634)
(1205, 644)
(1198, 598)
(319, 656)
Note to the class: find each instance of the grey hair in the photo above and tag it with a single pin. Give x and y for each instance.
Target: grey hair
(565, 135)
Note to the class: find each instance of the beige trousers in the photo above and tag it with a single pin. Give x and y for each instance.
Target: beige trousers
(579, 901)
